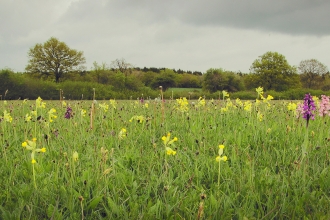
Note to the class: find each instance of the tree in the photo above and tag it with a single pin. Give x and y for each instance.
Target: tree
(122, 66)
(312, 73)
(273, 72)
(166, 78)
(219, 79)
(54, 58)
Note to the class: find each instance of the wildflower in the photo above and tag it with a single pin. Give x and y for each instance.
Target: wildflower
(167, 141)
(28, 117)
(292, 106)
(68, 113)
(40, 103)
(139, 118)
(182, 105)
(247, 106)
(7, 117)
(169, 151)
(75, 156)
(113, 103)
(201, 102)
(83, 113)
(260, 116)
(269, 97)
(122, 134)
(324, 106)
(239, 102)
(260, 91)
(33, 161)
(146, 105)
(223, 158)
(308, 108)
(51, 114)
(32, 146)
(104, 106)
(220, 158)
(63, 103)
(225, 94)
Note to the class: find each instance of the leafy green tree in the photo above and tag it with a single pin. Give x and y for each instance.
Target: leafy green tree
(312, 73)
(273, 72)
(54, 58)
(186, 80)
(219, 79)
(166, 78)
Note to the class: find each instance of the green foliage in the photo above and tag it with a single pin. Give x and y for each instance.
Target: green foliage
(132, 177)
(166, 78)
(312, 73)
(273, 72)
(219, 79)
(54, 58)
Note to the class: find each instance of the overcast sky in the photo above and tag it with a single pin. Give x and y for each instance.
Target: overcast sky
(182, 34)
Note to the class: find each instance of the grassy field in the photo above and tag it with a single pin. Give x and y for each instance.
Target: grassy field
(178, 159)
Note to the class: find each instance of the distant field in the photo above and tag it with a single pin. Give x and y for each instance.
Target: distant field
(185, 89)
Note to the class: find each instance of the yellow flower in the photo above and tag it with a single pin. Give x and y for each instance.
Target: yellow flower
(43, 150)
(292, 106)
(28, 117)
(33, 161)
(269, 97)
(39, 103)
(221, 146)
(63, 103)
(24, 144)
(34, 139)
(260, 90)
(75, 156)
(83, 113)
(122, 133)
(113, 103)
(146, 105)
(167, 140)
(169, 151)
(218, 158)
(225, 93)
(7, 117)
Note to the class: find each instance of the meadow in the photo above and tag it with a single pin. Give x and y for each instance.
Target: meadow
(171, 159)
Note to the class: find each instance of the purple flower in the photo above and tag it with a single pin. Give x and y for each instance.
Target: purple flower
(324, 106)
(308, 108)
(68, 113)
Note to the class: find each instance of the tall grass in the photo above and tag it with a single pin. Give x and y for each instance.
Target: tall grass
(102, 172)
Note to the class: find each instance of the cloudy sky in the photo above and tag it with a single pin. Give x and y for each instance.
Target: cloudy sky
(188, 34)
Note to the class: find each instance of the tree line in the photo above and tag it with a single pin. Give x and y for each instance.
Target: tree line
(54, 62)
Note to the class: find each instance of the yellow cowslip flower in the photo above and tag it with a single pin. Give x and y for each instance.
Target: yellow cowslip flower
(28, 117)
(138, 118)
(225, 94)
(260, 91)
(34, 113)
(7, 117)
(146, 105)
(40, 103)
(182, 104)
(122, 133)
(221, 147)
(104, 106)
(239, 102)
(201, 102)
(34, 139)
(113, 103)
(218, 158)
(75, 156)
(43, 150)
(33, 161)
(167, 141)
(51, 114)
(224, 109)
(169, 151)
(292, 106)
(83, 113)
(269, 97)
(64, 104)
(247, 106)
(24, 144)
